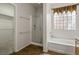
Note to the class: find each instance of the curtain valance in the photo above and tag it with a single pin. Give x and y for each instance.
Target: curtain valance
(70, 8)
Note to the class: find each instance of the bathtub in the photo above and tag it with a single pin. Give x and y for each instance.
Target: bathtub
(65, 46)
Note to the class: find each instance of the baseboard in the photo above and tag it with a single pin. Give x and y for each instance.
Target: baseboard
(38, 44)
(21, 48)
(34, 43)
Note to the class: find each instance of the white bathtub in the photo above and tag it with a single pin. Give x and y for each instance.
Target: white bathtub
(66, 46)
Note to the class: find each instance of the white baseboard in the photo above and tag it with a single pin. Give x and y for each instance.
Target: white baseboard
(34, 43)
(21, 48)
(38, 44)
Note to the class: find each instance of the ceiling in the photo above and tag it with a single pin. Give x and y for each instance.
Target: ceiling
(55, 5)
(36, 5)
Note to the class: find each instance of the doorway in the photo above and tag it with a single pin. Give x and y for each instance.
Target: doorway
(38, 24)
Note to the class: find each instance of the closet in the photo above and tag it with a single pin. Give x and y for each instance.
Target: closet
(6, 28)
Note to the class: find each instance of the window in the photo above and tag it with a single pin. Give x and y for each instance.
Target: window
(65, 18)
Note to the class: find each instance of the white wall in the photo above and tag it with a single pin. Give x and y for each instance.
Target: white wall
(22, 9)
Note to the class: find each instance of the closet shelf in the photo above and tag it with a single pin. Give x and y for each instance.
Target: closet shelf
(7, 15)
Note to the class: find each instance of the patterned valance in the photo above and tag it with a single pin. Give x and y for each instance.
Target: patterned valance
(66, 9)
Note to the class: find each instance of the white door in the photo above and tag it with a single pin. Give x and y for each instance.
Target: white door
(24, 31)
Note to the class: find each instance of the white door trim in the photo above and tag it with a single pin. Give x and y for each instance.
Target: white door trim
(44, 28)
